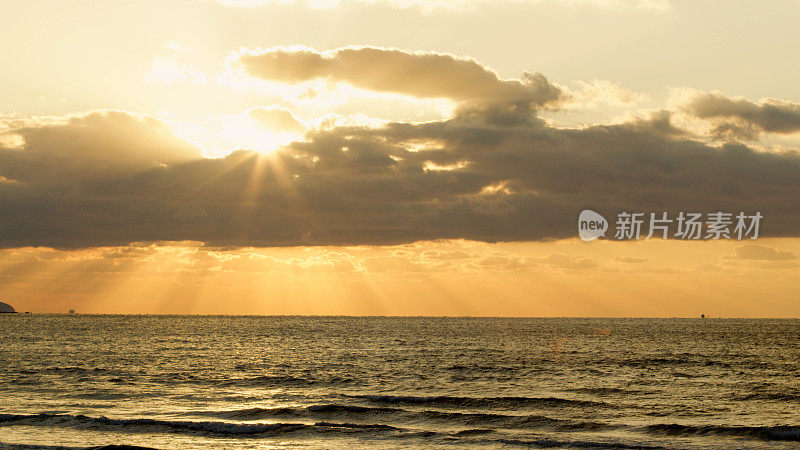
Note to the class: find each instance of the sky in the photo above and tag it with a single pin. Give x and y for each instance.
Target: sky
(396, 157)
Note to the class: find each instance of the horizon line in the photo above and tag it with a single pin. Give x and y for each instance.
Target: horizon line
(395, 316)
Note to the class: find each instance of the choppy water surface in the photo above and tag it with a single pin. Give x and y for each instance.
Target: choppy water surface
(183, 382)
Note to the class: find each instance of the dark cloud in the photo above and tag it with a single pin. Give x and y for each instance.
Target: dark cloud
(98, 145)
(494, 172)
(361, 185)
(659, 122)
(740, 118)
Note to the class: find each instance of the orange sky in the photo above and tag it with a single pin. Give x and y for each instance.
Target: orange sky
(457, 278)
(395, 157)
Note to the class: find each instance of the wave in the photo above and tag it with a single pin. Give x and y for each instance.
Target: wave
(327, 411)
(477, 424)
(478, 402)
(279, 381)
(531, 422)
(776, 396)
(267, 380)
(474, 432)
(552, 443)
(72, 369)
(476, 435)
(61, 447)
(477, 420)
(193, 427)
(773, 433)
(211, 428)
(172, 378)
(370, 426)
(283, 412)
(313, 410)
(604, 391)
(81, 421)
(103, 395)
(655, 361)
(119, 447)
(336, 407)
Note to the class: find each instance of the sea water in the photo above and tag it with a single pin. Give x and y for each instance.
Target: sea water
(330, 382)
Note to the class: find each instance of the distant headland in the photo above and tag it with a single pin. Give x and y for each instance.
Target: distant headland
(6, 308)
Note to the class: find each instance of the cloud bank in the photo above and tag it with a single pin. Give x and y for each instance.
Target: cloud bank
(493, 172)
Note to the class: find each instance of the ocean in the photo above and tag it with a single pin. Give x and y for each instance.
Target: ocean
(76, 381)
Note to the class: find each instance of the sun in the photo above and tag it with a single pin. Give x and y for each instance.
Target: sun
(245, 135)
(225, 134)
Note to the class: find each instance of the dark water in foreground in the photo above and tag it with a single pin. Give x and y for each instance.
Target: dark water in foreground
(185, 382)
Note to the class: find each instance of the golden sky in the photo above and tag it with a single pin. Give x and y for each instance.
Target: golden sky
(390, 157)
